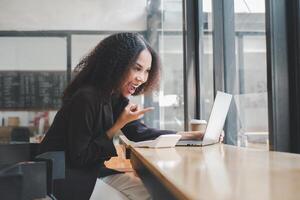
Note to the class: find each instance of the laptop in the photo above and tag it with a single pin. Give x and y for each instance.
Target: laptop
(215, 123)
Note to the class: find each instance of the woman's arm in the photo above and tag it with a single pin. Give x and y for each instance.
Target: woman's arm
(191, 135)
(86, 146)
(196, 135)
(128, 122)
(138, 131)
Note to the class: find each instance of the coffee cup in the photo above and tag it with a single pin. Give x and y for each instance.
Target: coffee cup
(198, 125)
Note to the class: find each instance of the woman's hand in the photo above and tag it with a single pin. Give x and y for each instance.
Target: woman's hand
(196, 135)
(130, 113)
(191, 135)
(221, 138)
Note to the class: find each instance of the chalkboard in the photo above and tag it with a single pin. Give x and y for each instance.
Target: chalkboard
(31, 89)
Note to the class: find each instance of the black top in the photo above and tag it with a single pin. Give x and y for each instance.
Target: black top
(80, 126)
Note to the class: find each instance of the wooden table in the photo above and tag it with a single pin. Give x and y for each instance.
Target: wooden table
(218, 172)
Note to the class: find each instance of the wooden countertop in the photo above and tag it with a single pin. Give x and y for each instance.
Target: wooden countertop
(224, 172)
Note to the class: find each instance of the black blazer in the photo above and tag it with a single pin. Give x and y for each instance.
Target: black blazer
(79, 128)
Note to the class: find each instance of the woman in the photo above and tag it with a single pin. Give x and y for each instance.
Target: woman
(96, 106)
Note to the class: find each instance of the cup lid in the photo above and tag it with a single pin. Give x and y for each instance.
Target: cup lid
(198, 121)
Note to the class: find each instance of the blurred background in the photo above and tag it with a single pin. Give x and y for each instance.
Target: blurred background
(42, 41)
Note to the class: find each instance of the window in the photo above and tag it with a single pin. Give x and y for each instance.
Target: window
(206, 61)
(251, 73)
(164, 33)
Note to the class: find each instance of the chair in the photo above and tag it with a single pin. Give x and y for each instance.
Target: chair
(55, 162)
(23, 181)
(11, 185)
(62, 182)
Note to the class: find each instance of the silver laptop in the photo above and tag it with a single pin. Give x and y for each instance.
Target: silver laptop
(215, 123)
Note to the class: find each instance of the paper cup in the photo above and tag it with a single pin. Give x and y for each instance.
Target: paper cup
(198, 125)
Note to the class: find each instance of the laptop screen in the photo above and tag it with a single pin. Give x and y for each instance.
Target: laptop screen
(217, 118)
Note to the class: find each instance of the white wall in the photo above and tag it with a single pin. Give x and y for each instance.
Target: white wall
(73, 15)
(82, 45)
(33, 53)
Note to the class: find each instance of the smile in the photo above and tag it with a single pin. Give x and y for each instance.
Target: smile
(132, 88)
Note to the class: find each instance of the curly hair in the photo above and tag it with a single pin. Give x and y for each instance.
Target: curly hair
(109, 62)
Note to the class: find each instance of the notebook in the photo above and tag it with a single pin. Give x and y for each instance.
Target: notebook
(215, 123)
